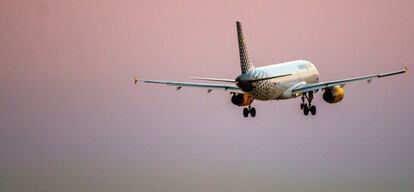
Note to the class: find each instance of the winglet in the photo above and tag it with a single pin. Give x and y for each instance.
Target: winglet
(406, 70)
(135, 80)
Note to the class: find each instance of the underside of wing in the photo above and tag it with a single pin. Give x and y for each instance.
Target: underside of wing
(208, 86)
(328, 84)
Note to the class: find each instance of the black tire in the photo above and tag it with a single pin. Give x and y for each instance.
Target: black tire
(313, 110)
(306, 110)
(245, 112)
(301, 106)
(253, 112)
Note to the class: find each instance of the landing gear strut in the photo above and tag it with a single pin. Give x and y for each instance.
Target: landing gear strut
(250, 110)
(308, 107)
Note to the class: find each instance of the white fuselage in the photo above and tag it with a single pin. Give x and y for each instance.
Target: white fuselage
(302, 72)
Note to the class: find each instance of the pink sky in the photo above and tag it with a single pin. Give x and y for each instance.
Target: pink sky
(71, 119)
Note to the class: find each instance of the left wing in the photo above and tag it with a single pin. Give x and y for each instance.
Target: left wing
(209, 86)
(322, 85)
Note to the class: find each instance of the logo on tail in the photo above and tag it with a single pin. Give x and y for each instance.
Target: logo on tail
(245, 63)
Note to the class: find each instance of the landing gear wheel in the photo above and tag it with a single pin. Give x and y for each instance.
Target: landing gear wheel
(308, 107)
(253, 112)
(306, 110)
(313, 110)
(245, 112)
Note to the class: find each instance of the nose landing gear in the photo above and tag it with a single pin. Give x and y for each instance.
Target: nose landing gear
(250, 110)
(308, 107)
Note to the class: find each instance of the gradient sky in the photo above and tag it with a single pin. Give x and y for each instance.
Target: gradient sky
(72, 120)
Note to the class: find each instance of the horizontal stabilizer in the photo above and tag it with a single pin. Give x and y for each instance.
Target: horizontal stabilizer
(213, 79)
(267, 78)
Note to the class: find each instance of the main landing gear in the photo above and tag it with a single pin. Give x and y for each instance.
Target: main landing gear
(308, 107)
(250, 110)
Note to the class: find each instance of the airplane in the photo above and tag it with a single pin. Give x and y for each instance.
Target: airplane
(281, 81)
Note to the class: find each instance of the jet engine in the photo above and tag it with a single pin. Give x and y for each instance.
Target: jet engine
(241, 99)
(334, 94)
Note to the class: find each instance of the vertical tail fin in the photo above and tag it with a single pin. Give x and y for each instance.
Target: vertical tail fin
(244, 56)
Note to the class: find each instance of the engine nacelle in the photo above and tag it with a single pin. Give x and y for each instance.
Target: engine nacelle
(241, 99)
(334, 94)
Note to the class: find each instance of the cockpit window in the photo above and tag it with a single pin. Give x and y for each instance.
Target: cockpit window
(302, 66)
(305, 66)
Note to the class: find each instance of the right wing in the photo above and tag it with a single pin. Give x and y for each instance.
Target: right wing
(322, 85)
(209, 86)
